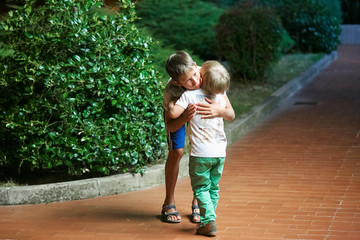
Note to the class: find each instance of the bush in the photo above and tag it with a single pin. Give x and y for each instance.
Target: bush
(78, 93)
(313, 24)
(249, 38)
(184, 24)
(333, 6)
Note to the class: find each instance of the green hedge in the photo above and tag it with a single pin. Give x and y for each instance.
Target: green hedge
(77, 91)
(250, 39)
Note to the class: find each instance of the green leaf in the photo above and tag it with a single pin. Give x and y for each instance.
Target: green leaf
(28, 35)
(77, 57)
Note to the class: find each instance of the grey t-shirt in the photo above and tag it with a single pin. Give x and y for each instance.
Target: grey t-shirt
(171, 91)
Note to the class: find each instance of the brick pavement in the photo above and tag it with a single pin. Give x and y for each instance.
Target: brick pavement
(296, 175)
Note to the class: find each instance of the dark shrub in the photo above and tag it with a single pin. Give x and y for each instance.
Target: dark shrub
(313, 24)
(78, 93)
(184, 24)
(249, 38)
(333, 6)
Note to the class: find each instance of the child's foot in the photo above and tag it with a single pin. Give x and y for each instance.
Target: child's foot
(169, 214)
(195, 214)
(208, 230)
(195, 211)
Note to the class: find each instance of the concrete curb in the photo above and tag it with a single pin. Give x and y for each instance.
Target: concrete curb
(95, 187)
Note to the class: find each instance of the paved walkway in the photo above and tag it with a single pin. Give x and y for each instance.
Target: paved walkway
(294, 176)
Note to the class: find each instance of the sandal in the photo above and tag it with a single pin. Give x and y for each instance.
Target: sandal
(165, 216)
(195, 214)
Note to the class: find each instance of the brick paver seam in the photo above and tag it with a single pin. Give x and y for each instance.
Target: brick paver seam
(338, 207)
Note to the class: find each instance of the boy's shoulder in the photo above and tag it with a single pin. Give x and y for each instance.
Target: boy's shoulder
(171, 91)
(172, 88)
(170, 83)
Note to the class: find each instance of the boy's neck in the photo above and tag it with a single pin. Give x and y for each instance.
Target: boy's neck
(173, 83)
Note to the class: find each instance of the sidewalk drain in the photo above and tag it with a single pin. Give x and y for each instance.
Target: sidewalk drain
(306, 103)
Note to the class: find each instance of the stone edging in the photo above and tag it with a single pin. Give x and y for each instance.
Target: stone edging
(121, 183)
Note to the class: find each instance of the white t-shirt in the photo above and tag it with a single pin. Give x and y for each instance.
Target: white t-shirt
(207, 136)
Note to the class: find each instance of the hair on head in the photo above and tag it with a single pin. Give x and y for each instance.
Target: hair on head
(216, 79)
(178, 64)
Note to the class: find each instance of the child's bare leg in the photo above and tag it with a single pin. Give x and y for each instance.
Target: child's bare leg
(171, 176)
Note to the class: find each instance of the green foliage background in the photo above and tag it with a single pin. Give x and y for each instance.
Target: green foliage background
(313, 24)
(249, 38)
(181, 24)
(159, 54)
(77, 90)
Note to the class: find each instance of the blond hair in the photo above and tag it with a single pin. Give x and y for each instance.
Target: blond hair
(216, 78)
(178, 64)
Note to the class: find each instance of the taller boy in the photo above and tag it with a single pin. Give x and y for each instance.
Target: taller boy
(184, 75)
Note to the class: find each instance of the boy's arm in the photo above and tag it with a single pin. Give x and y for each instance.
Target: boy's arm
(174, 124)
(229, 113)
(215, 110)
(171, 110)
(175, 111)
(178, 106)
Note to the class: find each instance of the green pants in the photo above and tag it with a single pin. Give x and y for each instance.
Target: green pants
(205, 174)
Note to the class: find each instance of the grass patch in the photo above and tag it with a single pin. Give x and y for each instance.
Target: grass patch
(8, 183)
(245, 96)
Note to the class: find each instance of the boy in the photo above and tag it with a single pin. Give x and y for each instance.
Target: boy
(207, 142)
(184, 75)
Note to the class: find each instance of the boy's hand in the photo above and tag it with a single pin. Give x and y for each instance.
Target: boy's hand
(189, 112)
(210, 110)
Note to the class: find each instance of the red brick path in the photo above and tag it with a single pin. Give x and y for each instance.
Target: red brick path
(294, 176)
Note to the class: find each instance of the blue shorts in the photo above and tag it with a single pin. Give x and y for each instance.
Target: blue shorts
(176, 140)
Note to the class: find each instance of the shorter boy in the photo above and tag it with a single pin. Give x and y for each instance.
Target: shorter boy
(207, 142)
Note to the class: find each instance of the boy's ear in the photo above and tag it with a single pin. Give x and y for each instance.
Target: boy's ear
(176, 83)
